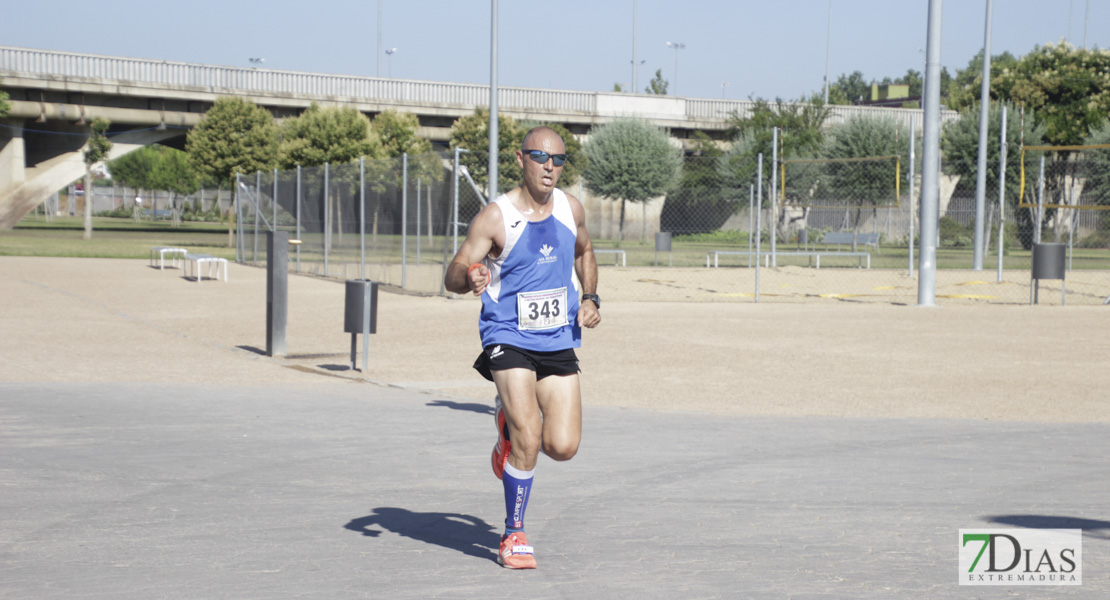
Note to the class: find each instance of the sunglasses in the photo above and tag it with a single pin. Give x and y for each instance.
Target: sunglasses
(541, 157)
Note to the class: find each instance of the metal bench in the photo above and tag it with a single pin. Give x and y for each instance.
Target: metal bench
(162, 251)
(619, 256)
(199, 261)
(811, 254)
(845, 237)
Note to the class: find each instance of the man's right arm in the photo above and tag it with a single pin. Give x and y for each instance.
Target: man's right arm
(477, 245)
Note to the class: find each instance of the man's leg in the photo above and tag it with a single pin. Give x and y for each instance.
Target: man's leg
(517, 388)
(560, 402)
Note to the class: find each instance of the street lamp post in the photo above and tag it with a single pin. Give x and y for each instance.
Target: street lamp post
(724, 84)
(677, 46)
(389, 63)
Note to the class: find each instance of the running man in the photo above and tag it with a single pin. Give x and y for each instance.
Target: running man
(529, 257)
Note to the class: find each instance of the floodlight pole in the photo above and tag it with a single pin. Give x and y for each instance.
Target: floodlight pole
(912, 211)
(828, 47)
(634, 47)
(930, 168)
(981, 169)
(493, 139)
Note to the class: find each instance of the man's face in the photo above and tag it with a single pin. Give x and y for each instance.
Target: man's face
(541, 178)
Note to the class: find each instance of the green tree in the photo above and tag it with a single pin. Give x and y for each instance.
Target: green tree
(173, 173)
(471, 132)
(334, 135)
(701, 202)
(1067, 88)
(1096, 189)
(849, 89)
(5, 106)
(966, 88)
(397, 131)
(96, 150)
(234, 136)
(959, 144)
(657, 85)
(337, 136)
(633, 161)
(866, 183)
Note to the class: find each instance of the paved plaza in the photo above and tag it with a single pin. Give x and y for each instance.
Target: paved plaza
(155, 457)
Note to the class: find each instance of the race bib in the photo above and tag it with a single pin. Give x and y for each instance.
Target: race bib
(541, 310)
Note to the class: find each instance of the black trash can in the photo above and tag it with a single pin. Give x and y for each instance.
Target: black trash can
(803, 238)
(357, 312)
(1048, 263)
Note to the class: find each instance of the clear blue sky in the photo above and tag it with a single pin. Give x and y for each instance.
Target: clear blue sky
(762, 49)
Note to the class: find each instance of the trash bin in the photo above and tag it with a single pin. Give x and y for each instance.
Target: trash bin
(356, 309)
(1048, 263)
(663, 244)
(360, 315)
(803, 238)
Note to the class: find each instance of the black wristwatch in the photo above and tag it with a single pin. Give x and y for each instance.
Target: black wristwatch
(594, 297)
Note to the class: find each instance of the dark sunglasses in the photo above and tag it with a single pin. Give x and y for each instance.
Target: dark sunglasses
(541, 157)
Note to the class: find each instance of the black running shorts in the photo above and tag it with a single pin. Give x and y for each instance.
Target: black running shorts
(498, 357)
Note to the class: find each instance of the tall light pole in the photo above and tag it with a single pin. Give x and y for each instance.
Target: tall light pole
(634, 65)
(981, 168)
(677, 46)
(930, 163)
(828, 46)
(390, 53)
(493, 118)
(379, 38)
(724, 84)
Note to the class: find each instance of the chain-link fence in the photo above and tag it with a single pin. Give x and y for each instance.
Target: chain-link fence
(847, 231)
(391, 220)
(829, 231)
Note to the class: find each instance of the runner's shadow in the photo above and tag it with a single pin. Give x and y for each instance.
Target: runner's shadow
(1092, 528)
(469, 535)
(484, 409)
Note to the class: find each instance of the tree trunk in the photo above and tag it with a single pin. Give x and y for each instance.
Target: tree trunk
(643, 223)
(620, 226)
(88, 201)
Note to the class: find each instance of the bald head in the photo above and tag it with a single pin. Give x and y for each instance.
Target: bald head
(543, 132)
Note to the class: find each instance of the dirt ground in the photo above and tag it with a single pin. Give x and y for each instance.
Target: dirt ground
(74, 320)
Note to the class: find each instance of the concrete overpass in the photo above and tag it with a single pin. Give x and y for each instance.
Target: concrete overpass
(54, 95)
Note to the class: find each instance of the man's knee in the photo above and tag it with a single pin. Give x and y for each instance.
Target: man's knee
(560, 449)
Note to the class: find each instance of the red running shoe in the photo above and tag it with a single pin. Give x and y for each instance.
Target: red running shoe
(502, 448)
(516, 552)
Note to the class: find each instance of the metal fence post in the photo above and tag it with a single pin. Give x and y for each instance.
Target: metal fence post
(758, 218)
(327, 220)
(774, 222)
(404, 213)
(912, 211)
(751, 221)
(362, 217)
(1040, 205)
(257, 210)
(1001, 193)
(417, 220)
(274, 201)
(298, 217)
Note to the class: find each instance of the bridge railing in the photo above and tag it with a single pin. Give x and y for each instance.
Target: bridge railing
(51, 64)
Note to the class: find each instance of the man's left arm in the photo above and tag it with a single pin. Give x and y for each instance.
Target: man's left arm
(585, 266)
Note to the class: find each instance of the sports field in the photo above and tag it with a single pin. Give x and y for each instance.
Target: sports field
(120, 320)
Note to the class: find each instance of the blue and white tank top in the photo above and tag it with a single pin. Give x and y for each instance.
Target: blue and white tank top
(532, 298)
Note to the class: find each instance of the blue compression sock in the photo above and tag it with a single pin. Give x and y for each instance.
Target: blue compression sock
(518, 486)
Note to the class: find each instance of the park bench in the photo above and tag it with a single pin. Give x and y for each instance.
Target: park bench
(200, 261)
(845, 237)
(814, 256)
(619, 256)
(162, 251)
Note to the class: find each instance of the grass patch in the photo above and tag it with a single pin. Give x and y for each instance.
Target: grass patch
(112, 238)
